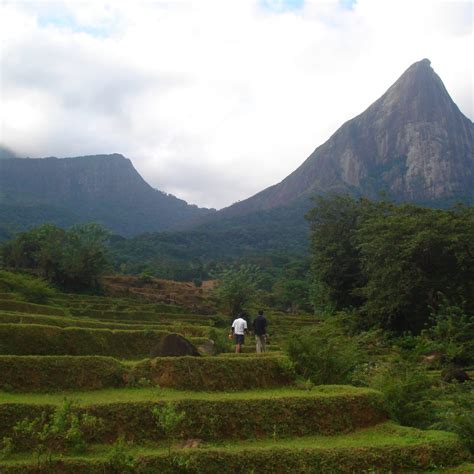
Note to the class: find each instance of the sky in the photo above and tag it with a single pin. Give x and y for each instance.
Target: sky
(213, 100)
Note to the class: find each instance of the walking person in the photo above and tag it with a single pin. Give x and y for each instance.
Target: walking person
(260, 331)
(239, 327)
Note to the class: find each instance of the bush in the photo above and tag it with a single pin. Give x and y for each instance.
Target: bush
(119, 460)
(324, 354)
(64, 430)
(33, 290)
(452, 335)
(221, 341)
(408, 393)
(168, 420)
(458, 416)
(75, 257)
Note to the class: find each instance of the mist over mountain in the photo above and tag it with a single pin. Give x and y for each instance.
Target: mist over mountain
(6, 153)
(101, 188)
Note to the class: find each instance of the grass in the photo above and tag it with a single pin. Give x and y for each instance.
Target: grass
(383, 435)
(123, 395)
(168, 326)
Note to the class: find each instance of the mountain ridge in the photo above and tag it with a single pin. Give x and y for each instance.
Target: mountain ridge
(102, 188)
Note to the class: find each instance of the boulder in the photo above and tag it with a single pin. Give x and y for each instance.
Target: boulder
(174, 345)
(455, 374)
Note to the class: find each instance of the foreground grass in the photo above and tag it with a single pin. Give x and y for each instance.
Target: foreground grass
(123, 395)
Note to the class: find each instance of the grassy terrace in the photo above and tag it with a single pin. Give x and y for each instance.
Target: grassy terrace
(123, 395)
(383, 434)
(247, 410)
(385, 447)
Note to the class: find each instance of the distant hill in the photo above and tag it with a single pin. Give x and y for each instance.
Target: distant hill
(101, 188)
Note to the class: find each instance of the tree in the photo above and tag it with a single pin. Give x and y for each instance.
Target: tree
(237, 288)
(75, 257)
(335, 257)
(84, 255)
(415, 259)
(394, 263)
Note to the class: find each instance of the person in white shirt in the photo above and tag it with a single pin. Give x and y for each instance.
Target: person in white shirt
(239, 327)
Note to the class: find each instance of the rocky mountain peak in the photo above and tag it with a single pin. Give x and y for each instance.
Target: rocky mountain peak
(413, 144)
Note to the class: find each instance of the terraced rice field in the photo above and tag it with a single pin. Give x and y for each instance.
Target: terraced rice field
(242, 413)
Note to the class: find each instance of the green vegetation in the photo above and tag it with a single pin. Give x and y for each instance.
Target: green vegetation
(249, 412)
(56, 373)
(395, 264)
(63, 430)
(168, 419)
(35, 339)
(384, 448)
(237, 289)
(71, 258)
(325, 354)
(28, 288)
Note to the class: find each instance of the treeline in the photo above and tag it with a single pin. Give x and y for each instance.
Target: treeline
(190, 254)
(73, 258)
(395, 265)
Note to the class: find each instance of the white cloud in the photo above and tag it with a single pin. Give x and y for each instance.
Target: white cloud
(213, 100)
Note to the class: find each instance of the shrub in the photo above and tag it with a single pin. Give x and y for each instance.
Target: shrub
(119, 460)
(452, 335)
(33, 290)
(458, 416)
(221, 341)
(324, 354)
(168, 419)
(6, 448)
(62, 431)
(146, 277)
(408, 393)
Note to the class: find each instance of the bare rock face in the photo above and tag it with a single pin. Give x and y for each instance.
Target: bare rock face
(413, 143)
(174, 345)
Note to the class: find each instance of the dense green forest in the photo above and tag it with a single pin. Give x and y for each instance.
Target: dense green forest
(393, 265)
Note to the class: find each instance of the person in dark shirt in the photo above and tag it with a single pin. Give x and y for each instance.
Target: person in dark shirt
(260, 331)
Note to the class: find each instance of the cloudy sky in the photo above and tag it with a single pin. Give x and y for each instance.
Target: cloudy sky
(213, 100)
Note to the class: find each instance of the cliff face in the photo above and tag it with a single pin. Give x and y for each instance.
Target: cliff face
(413, 143)
(101, 188)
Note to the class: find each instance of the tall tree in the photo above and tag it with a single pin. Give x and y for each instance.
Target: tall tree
(414, 258)
(335, 256)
